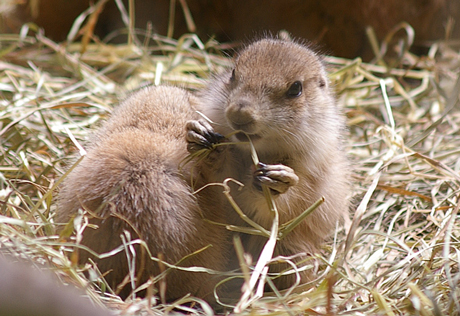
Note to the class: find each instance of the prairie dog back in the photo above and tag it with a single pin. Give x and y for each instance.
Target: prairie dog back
(130, 180)
(278, 95)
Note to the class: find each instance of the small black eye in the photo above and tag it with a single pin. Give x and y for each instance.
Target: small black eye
(232, 78)
(295, 90)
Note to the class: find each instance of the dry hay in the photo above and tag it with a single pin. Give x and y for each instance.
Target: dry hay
(398, 254)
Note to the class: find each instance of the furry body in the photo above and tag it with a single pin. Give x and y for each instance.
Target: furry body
(130, 180)
(278, 95)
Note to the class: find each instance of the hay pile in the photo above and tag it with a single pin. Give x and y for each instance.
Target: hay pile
(398, 254)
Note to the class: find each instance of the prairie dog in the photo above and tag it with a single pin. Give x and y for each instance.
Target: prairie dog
(278, 94)
(130, 180)
(26, 291)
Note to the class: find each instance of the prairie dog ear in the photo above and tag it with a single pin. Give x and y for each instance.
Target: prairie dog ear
(285, 36)
(323, 81)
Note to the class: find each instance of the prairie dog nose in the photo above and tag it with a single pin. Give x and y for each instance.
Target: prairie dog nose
(241, 113)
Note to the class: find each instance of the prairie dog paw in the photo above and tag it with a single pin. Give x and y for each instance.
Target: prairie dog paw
(200, 134)
(278, 178)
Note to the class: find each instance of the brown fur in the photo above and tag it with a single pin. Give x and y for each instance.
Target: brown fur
(131, 171)
(299, 138)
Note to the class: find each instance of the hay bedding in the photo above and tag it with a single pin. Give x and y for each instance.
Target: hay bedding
(398, 254)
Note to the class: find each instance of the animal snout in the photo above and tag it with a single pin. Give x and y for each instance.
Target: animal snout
(241, 115)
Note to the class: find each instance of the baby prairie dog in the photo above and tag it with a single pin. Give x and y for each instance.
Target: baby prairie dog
(130, 180)
(278, 95)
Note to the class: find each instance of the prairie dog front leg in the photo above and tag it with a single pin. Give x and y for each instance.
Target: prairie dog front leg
(200, 134)
(278, 178)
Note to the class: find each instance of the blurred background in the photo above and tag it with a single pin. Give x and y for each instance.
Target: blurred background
(336, 27)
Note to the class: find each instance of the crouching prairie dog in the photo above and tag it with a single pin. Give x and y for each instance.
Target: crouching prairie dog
(130, 180)
(278, 95)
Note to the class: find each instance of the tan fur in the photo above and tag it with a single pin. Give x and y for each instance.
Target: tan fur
(299, 138)
(131, 171)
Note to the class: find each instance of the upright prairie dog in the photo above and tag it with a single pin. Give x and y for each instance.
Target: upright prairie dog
(277, 94)
(130, 180)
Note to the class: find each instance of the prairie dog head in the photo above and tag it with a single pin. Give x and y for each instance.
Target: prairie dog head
(278, 94)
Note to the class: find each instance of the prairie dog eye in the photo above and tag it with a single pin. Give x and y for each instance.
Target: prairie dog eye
(295, 90)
